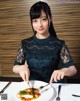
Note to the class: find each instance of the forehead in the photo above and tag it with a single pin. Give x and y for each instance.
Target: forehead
(43, 13)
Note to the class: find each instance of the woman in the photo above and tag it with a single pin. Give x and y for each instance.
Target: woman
(40, 55)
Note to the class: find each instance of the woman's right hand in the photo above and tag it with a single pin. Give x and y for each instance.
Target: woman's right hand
(24, 72)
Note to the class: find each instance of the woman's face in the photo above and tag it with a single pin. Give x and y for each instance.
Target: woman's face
(41, 24)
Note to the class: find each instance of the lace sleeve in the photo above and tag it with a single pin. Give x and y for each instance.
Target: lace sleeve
(20, 56)
(66, 58)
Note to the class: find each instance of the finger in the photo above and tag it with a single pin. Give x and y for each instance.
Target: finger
(23, 77)
(27, 78)
(59, 75)
(62, 76)
(51, 79)
(55, 77)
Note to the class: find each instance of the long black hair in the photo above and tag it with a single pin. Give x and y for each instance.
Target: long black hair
(35, 12)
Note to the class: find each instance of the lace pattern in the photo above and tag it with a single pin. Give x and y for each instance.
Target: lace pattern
(20, 55)
(65, 55)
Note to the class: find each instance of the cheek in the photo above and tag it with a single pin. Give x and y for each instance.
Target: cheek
(46, 24)
(34, 25)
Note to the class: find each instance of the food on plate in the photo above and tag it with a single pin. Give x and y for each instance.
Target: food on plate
(29, 94)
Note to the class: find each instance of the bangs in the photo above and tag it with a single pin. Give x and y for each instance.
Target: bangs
(36, 13)
(36, 9)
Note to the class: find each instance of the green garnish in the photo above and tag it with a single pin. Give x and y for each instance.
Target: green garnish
(23, 92)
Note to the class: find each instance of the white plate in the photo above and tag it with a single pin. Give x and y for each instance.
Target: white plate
(46, 93)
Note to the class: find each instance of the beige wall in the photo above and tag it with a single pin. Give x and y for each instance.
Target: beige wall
(15, 26)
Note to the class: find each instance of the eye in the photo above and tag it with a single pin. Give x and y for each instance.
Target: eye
(44, 19)
(34, 20)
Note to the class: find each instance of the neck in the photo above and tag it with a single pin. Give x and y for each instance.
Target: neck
(40, 36)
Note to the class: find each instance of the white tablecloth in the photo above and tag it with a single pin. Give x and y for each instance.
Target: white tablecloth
(66, 91)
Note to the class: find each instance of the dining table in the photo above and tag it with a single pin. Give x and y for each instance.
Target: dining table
(66, 93)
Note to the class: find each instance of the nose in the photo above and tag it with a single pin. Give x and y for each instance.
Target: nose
(40, 23)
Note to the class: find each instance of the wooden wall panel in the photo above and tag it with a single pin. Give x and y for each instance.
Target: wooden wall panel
(15, 26)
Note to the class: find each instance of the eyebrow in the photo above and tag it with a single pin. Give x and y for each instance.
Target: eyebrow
(43, 16)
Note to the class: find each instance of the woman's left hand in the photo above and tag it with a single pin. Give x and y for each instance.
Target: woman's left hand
(58, 75)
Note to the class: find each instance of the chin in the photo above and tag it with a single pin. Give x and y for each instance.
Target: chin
(42, 33)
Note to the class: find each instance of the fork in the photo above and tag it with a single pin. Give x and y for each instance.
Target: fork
(58, 97)
(41, 87)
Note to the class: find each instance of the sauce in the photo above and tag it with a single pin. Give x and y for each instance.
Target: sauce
(27, 94)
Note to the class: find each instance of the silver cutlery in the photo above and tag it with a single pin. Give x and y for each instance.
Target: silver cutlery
(58, 96)
(41, 87)
(75, 95)
(5, 88)
(32, 89)
(28, 84)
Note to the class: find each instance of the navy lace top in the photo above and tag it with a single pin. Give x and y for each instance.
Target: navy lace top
(43, 56)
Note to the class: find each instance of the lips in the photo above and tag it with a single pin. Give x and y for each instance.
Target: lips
(41, 29)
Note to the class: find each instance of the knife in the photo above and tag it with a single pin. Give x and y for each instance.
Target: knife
(75, 95)
(32, 89)
(5, 87)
